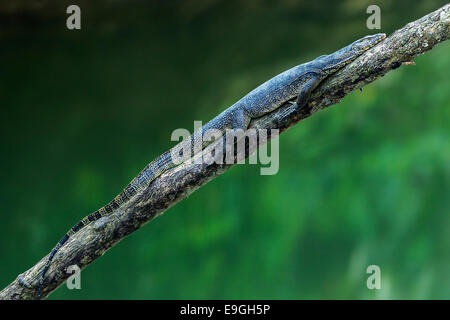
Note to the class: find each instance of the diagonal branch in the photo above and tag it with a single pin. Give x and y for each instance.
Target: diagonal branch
(94, 240)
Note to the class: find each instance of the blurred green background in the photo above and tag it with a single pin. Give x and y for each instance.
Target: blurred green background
(363, 182)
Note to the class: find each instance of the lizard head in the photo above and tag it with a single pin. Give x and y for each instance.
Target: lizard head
(342, 57)
(364, 44)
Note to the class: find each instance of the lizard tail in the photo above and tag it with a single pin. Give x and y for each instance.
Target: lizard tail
(142, 180)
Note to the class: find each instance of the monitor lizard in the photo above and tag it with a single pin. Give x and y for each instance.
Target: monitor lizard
(298, 81)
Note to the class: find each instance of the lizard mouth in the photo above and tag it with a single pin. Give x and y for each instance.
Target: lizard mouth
(367, 42)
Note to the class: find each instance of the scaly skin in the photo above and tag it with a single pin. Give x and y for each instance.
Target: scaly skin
(298, 81)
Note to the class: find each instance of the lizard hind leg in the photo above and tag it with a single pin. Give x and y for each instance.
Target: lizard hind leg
(232, 147)
(240, 119)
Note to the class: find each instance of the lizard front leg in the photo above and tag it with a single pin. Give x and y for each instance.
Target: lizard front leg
(305, 92)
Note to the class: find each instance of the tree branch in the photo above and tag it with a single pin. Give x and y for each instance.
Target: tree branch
(175, 185)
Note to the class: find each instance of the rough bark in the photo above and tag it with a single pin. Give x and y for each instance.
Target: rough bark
(91, 242)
